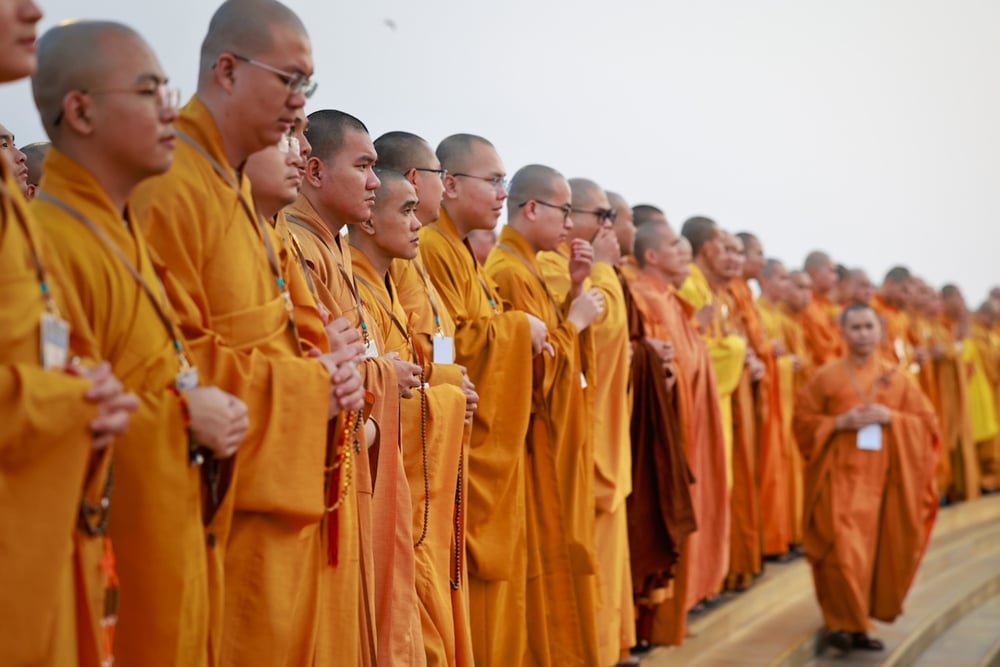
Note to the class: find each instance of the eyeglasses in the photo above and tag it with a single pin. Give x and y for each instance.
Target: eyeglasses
(167, 97)
(289, 145)
(603, 214)
(296, 82)
(440, 172)
(498, 182)
(565, 208)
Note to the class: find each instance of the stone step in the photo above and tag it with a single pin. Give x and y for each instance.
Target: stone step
(974, 640)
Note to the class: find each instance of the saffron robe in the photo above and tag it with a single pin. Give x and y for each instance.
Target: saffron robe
(610, 421)
(986, 409)
(266, 545)
(704, 557)
(495, 347)
(868, 513)
(952, 371)
(562, 586)
(49, 566)
(156, 525)
(822, 333)
(428, 319)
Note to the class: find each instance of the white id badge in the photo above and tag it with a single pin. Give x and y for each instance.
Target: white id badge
(444, 349)
(870, 437)
(187, 379)
(583, 380)
(371, 350)
(54, 334)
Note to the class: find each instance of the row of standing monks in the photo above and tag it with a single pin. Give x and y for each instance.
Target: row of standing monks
(234, 434)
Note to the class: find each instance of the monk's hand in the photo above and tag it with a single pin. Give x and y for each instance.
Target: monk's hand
(341, 333)
(606, 247)
(671, 376)
(705, 315)
(408, 376)
(876, 413)
(851, 420)
(539, 336)
(114, 405)
(937, 351)
(581, 259)
(219, 420)
(779, 349)
(471, 397)
(324, 314)
(920, 355)
(756, 367)
(585, 308)
(664, 349)
(796, 363)
(347, 387)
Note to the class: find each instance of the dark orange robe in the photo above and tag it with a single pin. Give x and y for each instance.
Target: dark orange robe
(822, 332)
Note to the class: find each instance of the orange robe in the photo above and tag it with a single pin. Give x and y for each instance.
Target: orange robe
(49, 566)
(773, 461)
(869, 513)
(559, 472)
(156, 525)
(987, 344)
(495, 348)
(898, 338)
(611, 419)
(822, 332)
(704, 558)
(959, 477)
(379, 511)
(266, 540)
(428, 319)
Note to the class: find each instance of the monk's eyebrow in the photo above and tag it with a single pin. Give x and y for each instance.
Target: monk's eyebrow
(151, 78)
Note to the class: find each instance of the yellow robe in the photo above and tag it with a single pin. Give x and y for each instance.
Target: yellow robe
(612, 449)
(428, 319)
(985, 412)
(959, 477)
(156, 524)
(47, 461)
(559, 469)
(266, 537)
(495, 348)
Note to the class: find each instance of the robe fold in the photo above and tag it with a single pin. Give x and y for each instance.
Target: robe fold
(45, 457)
(559, 473)
(898, 338)
(869, 513)
(441, 585)
(960, 475)
(704, 557)
(822, 333)
(156, 525)
(494, 345)
(612, 450)
(986, 415)
(265, 541)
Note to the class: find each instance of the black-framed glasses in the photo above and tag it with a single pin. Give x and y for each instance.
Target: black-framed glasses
(296, 82)
(602, 214)
(440, 172)
(168, 97)
(565, 208)
(498, 182)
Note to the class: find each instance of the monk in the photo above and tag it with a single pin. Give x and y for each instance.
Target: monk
(16, 159)
(593, 223)
(35, 154)
(695, 560)
(985, 416)
(892, 303)
(562, 586)
(857, 288)
(775, 286)
(867, 433)
(156, 526)
(771, 446)
(269, 514)
(624, 226)
(339, 192)
(818, 318)
(431, 328)
(496, 347)
(482, 241)
(59, 418)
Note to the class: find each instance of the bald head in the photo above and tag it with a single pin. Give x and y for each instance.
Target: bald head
(75, 56)
(624, 224)
(35, 153)
(648, 237)
(534, 181)
(773, 281)
(585, 191)
(391, 182)
(457, 151)
(858, 287)
(327, 130)
(816, 259)
(699, 231)
(246, 28)
(402, 151)
(643, 213)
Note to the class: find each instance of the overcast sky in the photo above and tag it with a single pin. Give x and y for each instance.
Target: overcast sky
(868, 128)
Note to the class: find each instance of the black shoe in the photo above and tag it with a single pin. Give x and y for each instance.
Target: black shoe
(840, 640)
(641, 647)
(861, 640)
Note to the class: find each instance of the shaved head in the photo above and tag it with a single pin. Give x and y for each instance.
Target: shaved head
(534, 181)
(245, 27)
(402, 151)
(815, 260)
(35, 153)
(74, 56)
(771, 267)
(390, 180)
(648, 237)
(699, 230)
(643, 213)
(585, 190)
(456, 151)
(897, 274)
(327, 130)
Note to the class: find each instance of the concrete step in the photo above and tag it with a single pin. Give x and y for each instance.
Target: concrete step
(974, 640)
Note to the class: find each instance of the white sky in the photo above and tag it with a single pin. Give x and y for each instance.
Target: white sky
(868, 128)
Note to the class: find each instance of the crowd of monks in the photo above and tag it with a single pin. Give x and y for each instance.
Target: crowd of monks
(276, 393)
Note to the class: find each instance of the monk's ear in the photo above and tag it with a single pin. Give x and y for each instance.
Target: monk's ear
(76, 112)
(314, 172)
(411, 176)
(224, 71)
(450, 187)
(368, 227)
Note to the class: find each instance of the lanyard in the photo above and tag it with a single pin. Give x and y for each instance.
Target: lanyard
(865, 400)
(475, 262)
(50, 304)
(156, 302)
(431, 294)
(388, 311)
(261, 229)
(538, 276)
